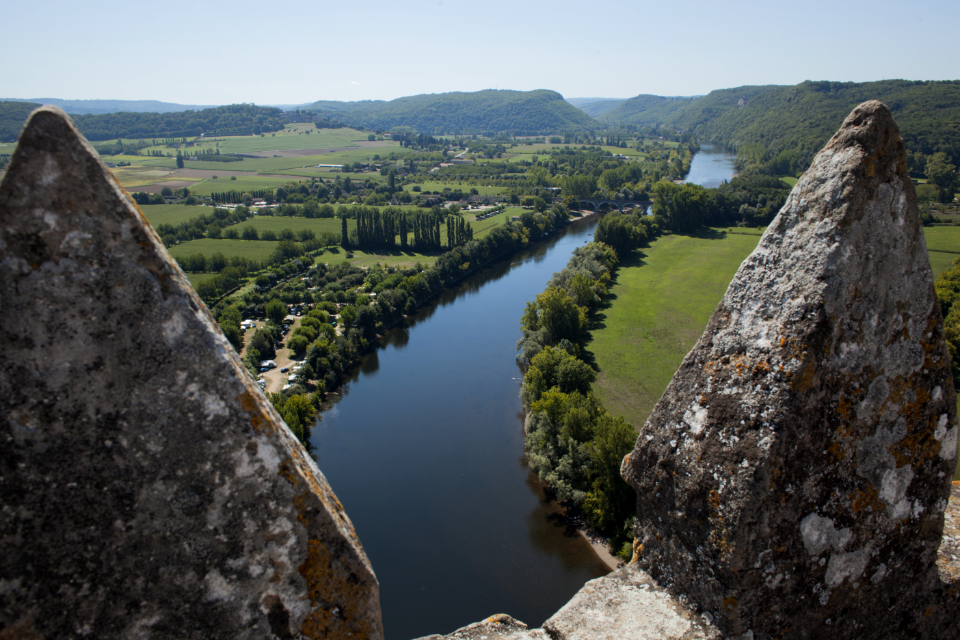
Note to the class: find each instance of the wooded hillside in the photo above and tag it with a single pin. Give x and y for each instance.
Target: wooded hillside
(764, 121)
(491, 111)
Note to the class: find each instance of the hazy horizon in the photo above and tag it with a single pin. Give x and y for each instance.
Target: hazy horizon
(198, 54)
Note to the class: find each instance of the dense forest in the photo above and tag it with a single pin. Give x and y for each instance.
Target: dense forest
(788, 125)
(235, 119)
(595, 107)
(74, 107)
(480, 112)
(12, 117)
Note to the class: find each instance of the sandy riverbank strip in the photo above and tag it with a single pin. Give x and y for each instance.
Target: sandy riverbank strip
(603, 552)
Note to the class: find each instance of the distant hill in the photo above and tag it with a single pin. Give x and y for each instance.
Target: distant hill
(800, 119)
(490, 111)
(13, 114)
(236, 119)
(595, 107)
(113, 106)
(646, 110)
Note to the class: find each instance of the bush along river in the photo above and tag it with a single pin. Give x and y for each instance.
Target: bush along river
(424, 448)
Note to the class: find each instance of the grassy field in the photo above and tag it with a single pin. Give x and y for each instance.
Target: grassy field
(791, 182)
(174, 214)
(242, 184)
(661, 301)
(943, 238)
(249, 249)
(196, 278)
(440, 186)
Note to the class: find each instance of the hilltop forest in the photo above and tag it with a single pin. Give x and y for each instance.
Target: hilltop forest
(781, 128)
(236, 119)
(482, 112)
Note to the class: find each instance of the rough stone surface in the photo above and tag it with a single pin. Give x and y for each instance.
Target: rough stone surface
(948, 557)
(147, 489)
(627, 605)
(624, 605)
(792, 480)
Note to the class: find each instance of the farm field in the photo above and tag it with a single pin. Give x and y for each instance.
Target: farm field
(173, 214)
(440, 186)
(661, 301)
(243, 183)
(196, 278)
(663, 297)
(249, 249)
(943, 238)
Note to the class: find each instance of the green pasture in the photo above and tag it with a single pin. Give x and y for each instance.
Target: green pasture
(249, 249)
(943, 238)
(241, 184)
(368, 259)
(463, 185)
(196, 278)
(661, 300)
(483, 227)
(278, 223)
(660, 303)
(791, 182)
(629, 151)
(174, 214)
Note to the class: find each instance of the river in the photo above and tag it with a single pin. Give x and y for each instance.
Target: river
(425, 451)
(711, 166)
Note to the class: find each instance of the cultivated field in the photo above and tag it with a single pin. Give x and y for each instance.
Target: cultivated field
(249, 249)
(440, 186)
(173, 214)
(661, 301)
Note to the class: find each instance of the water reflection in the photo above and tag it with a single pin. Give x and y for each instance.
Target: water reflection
(711, 166)
(424, 449)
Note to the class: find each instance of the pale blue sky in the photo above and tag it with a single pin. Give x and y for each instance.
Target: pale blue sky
(290, 52)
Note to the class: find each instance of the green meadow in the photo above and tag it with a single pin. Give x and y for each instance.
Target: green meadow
(661, 300)
(173, 214)
(249, 249)
(241, 184)
(440, 186)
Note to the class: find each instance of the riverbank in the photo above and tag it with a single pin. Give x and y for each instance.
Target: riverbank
(433, 413)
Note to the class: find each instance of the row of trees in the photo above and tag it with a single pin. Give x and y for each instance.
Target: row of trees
(234, 197)
(571, 442)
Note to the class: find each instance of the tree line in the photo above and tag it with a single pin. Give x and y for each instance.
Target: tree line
(571, 442)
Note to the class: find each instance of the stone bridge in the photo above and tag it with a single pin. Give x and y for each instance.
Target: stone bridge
(605, 204)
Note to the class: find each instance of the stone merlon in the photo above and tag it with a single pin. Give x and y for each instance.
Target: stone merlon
(147, 487)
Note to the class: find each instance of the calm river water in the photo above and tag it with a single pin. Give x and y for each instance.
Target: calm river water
(711, 166)
(425, 450)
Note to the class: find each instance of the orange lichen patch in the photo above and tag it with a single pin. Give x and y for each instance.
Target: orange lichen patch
(956, 483)
(500, 618)
(730, 604)
(637, 550)
(339, 598)
(838, 451)
(802, 380)
(863, 498)
(918, 446)
(844, 410)
(257, 416)
(761, 368)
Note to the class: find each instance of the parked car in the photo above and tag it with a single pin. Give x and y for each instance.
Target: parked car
(284, 370)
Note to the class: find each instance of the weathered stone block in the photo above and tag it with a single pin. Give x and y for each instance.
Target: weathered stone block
(793, 478)
(147, 489)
